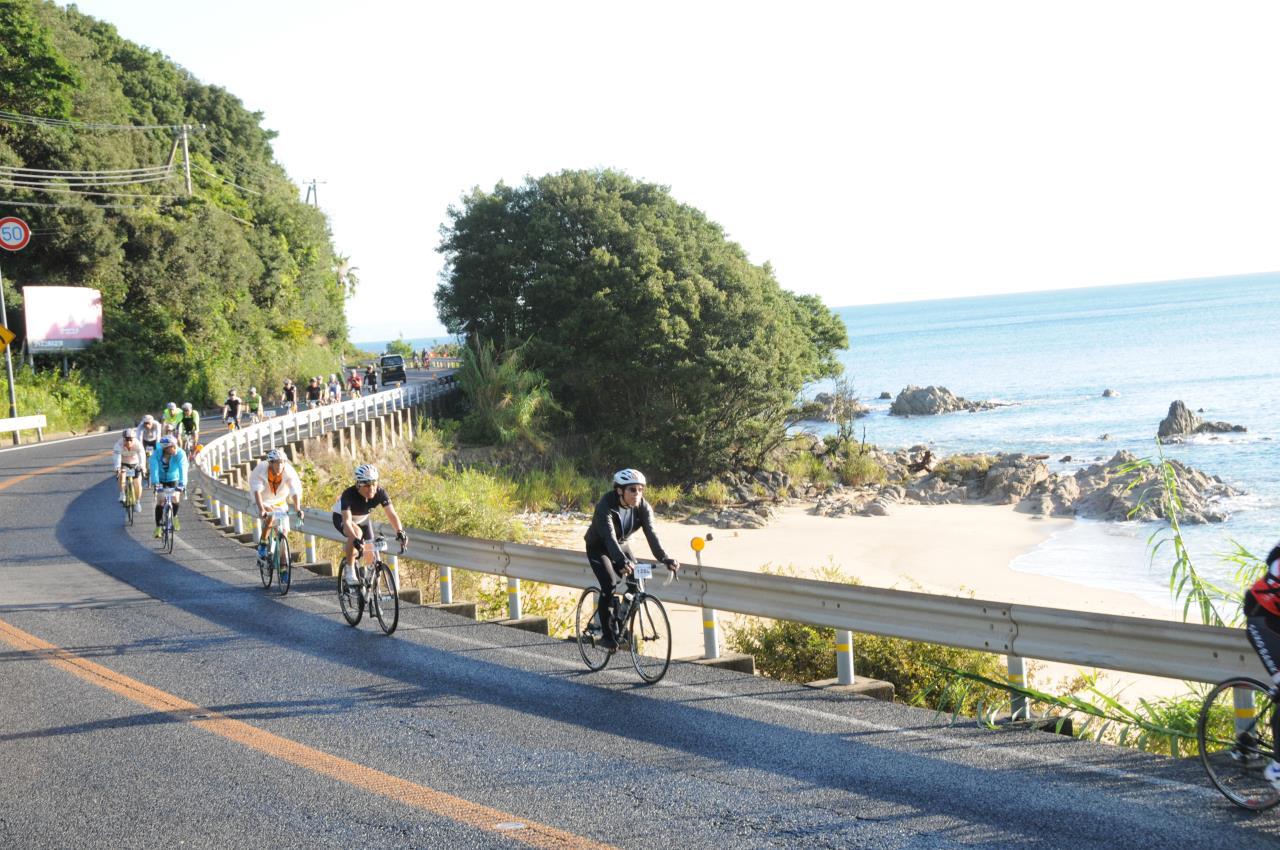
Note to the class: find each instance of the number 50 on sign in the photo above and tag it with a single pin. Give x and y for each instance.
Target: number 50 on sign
(14, 233)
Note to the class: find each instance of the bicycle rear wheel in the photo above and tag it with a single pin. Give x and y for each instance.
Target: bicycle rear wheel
(350, 599)
(283, 564)
(129, 501)
(166, 539)
(588, 630)
(386, 601)
(1236, 744)
(649, 636)
(265, 572)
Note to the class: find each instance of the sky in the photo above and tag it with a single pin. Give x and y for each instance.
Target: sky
(872, 152)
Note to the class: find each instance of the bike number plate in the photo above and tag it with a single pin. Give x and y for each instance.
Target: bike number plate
(644, 570)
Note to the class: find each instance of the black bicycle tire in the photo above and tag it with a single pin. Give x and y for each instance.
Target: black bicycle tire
(586, 643)
(349, 598)
(1210, 761)
(128, 505)
(639, 610)
(266, 572)
(166, 537)
(283, 565)
(377, 594)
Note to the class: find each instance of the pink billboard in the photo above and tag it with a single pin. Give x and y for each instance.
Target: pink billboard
(61, 318)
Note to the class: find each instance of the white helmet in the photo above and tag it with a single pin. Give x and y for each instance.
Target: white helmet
(148, 419)
(275, 454)
(172, 405)
(623, 477)
(253, 390)
(366, 473)
(187, 407)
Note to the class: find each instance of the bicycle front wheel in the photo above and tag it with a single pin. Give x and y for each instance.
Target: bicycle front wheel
(167, 539)
(350, 599)
(283, 564)
(129, 501)
(265, 573)
(1236, 744)
(588, 630)
(386, 602)
(649, 636)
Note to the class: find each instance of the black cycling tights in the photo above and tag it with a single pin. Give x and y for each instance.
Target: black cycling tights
(160, 511)
(1266, 640)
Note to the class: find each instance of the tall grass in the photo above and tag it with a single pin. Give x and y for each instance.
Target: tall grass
(508, 403)
(68, 404)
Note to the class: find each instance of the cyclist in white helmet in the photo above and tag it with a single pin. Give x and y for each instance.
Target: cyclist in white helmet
(351, 515)
(618, 514)
(130, 457)
(274, 483)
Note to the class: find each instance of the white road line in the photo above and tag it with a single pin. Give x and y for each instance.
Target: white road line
(943, 744)
(55, 442)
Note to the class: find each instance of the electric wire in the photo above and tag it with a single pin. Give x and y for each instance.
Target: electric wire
(6, 202)
(110, 172)
(19, 118)
(35, 184)
(217, 176)
(67, 191)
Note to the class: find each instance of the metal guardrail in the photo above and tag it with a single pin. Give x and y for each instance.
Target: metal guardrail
(1132, 644)
(25, 423)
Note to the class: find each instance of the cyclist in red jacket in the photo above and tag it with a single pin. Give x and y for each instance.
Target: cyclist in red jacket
(1262, 622)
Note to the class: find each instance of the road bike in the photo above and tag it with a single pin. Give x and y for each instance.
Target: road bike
(1236, 744)
(167, 532)
(641, 624)
(129, 473)
(188, 442)
(374, 588)
(277, 566)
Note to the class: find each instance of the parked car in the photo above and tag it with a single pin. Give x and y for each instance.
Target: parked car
(392, 368)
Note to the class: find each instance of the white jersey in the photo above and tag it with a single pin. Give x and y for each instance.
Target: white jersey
(290, 484)
(135, 456)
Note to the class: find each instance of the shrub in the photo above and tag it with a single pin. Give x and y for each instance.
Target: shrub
(805, 466)
(664, 495)
(428, 449)
(69, 404)
(859, 469)
(711, 493)
(957, 467)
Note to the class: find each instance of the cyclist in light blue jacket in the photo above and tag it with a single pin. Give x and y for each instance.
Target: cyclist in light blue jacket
(168, 469)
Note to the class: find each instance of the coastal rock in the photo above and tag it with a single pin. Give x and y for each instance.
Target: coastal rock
(876, 507)
(1181, 423)
(757, 516)
(931, 401)
(1011, 478)
(885, 396)
(826, 407)
(1109, 393)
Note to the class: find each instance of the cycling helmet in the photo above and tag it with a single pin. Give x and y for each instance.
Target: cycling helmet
(231, 392)
(148, 419)
(623, 477)
(173, 405)
(275, 454)
(187, 407)
(253, 390)
(167, 441)
(128, 433)
(366, 473)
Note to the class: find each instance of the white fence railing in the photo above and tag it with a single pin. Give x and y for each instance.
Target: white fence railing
(1137, 645)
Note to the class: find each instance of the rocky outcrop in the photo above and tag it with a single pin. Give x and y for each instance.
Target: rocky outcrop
(1109, 393)
(752, 516)
(931, 401)
(1182, 423)
(885, 396)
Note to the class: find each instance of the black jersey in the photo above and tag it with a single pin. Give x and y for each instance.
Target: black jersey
(353, 500)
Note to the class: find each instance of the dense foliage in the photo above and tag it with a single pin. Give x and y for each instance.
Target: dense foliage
(232, 285)
(656, 333)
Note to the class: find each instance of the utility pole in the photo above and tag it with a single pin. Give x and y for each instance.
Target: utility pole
(186, 159)
(8, 361)
(313, 194)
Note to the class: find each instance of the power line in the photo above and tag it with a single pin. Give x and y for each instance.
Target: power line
(67, 191)
(19, 118)
(217, 176)
(4, 201)
(236, 159)
(5, 179)
(111, 172)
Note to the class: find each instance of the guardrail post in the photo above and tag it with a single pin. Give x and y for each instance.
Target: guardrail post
(446, 585)
(844, 657)
(1019, 707)
(393, 561)
(311, 548)
(513, 599)
(239, 523)
(710, 633)
(1245, 710)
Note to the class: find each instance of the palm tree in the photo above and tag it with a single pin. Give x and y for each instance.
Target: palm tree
(347, 277)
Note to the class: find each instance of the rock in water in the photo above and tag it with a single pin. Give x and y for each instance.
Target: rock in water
(931, 401)
(1182, 423)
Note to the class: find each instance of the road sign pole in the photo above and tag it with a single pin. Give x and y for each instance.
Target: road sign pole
(8, 360)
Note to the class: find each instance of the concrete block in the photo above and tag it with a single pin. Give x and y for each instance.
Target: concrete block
(462, 609)
(1049, 723)
(245, 537)
(321, 568)
(537, 625)
(412, 595)
(861, 686)
(225, 529)
(728, 661)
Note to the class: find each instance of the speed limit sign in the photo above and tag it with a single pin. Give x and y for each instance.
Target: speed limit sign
(14, 233)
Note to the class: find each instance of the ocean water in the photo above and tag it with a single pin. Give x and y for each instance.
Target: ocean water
(1050, 355)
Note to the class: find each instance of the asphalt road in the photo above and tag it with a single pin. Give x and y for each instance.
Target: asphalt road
(154, 701)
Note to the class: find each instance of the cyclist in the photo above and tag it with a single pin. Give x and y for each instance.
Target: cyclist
(351, 515)
(168, 469)
(370, 379)
(1262, 622)
(314, 391)
(353, 383)
(149, 433)
(254, 403)
(289, 395)
(131, 456)
(189, 427)
(231, 409)
(171, 415)
(272, 484)
(335, 389)
(618, 514)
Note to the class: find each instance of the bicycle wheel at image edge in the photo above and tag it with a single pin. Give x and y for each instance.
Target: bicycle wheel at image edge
(283, 565)
(386, 602)
(650, 638)
(350, 600)
(588, 632)
(1233, 732)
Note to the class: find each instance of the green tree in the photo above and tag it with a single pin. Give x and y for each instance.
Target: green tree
(35, 78)
(400, 346)
(654, 330)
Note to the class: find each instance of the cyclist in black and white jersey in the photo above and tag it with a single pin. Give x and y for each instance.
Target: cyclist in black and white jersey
(1262, 624)
(129, 455)
(619, 513)
(351, 515)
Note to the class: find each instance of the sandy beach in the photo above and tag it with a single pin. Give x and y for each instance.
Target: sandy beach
(959, 550)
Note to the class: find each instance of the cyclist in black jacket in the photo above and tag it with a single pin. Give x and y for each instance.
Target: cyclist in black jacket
(618, 514)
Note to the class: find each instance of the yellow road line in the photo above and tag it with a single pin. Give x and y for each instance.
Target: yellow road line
(394, 788)
(11, 481)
